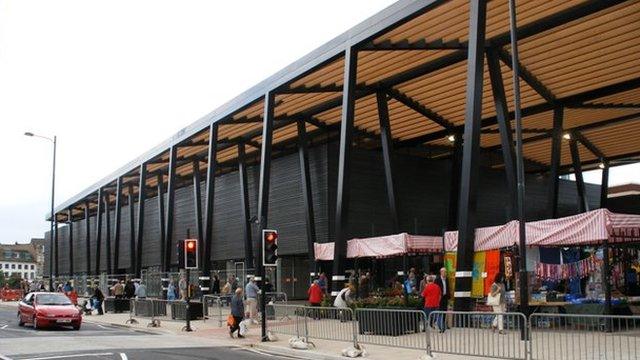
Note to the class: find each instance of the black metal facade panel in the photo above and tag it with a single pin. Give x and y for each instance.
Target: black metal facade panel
(125, 227)
(79, 247)
(422, 185)
(151, 239)
(63, 249)
(47, 238)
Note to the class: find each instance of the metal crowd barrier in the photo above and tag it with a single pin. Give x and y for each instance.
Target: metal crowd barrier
(391, 327)
(478, 334)
(568, 336)
(276, 297)
(216, 307)
(286, 319)
(159, 310)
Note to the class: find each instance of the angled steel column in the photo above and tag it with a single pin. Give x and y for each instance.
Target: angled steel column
(471, 155)
(107, 223)
(70, 229)
(87, 236)
(161, 222)
(169, 220)
(142, 200)
(583, 204)
(554, 173)
(116, 229)
(132, 230)
(98, 231)
(387, 158)
(263, 193)
(210, 196)
(506, 137)
(344, 169)
(454, 187)
(197, 207)
(307, 195)
(55, 238)
(244, 207)
(604, 185)
(522, 248)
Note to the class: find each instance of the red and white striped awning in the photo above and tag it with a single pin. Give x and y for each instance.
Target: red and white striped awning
(593, 227)
(382, 246)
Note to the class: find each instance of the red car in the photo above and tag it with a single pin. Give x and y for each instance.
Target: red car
(45, 309)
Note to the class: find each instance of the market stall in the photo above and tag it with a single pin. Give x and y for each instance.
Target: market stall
(382, 246)
(566, 258)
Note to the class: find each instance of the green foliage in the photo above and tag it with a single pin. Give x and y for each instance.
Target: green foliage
(14, 281)
(386, 302)
(2, 279)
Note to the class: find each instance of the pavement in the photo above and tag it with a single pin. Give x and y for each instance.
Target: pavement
(114, 336)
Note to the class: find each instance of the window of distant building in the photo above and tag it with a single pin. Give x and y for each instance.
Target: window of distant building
(13, 266)
(33, 267)
(6, 266)
(19, 266)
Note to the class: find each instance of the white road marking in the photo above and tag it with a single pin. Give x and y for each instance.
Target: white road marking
(68, 356)
(2, 357)
(103, 327)
(3, 326)
(123, 356)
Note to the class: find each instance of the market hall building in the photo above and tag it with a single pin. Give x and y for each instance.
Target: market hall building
(404, 123)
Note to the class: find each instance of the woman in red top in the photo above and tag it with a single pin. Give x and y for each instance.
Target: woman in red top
(315, 297)
(432, 295)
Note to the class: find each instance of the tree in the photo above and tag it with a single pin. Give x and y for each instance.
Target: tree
(2, 279)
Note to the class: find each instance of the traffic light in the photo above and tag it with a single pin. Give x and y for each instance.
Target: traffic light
(269, 247)
(191, 254)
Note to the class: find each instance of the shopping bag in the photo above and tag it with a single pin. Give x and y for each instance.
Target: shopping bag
(231, 321)
(493, 300)
(244, 327)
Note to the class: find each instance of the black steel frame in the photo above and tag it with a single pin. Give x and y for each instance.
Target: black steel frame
(169, 220)
(244, 207)
(99, 211)
(161, 218)
(116, 229)
(132, 230)
(210, 196)
(470, 155)
(604, 184)
(142, 200)
(344, 168)
(107, 238)
(583, 204)
(87, 235)
(70, 230)
(307, 194)
(556, 148)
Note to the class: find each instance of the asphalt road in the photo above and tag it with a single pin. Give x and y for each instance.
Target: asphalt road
(204, 353)
(96, 341)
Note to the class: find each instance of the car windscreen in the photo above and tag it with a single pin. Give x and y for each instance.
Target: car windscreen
(52, 299)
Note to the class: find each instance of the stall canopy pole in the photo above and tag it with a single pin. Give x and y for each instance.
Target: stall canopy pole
(606, 274)
(524, 286)
(471, 155)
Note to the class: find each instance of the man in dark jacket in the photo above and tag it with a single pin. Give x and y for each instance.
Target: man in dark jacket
(237, 311)
(441, 281)
(129, 289)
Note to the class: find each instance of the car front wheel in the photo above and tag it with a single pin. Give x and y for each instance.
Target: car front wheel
(76, 327)
(20, 322)
(35, 323)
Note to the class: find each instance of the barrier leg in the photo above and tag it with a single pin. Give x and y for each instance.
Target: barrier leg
(131, 320)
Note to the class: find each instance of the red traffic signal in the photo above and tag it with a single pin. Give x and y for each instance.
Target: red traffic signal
(269, 247)
(191, 254)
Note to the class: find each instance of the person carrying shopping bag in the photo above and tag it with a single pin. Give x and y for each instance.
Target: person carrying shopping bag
(237, 313)
(497, 301)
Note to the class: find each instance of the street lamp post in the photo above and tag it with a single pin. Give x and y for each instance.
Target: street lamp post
(53, 191)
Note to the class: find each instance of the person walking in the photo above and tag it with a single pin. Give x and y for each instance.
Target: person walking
(98, 298)
(118, 290)
(141, 291)
(251, 291)
(498, 302)
(226, 289)
(182, 285)
(432, 295)
(129, 289)
(215, 288)
(322, 282)
(315, 298)
(441, 281)
(237, 312)
(343, 299)
(171, 291)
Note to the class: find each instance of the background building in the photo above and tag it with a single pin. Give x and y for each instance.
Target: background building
(19, 260)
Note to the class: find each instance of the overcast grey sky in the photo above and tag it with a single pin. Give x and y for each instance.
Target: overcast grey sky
(113, 78)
